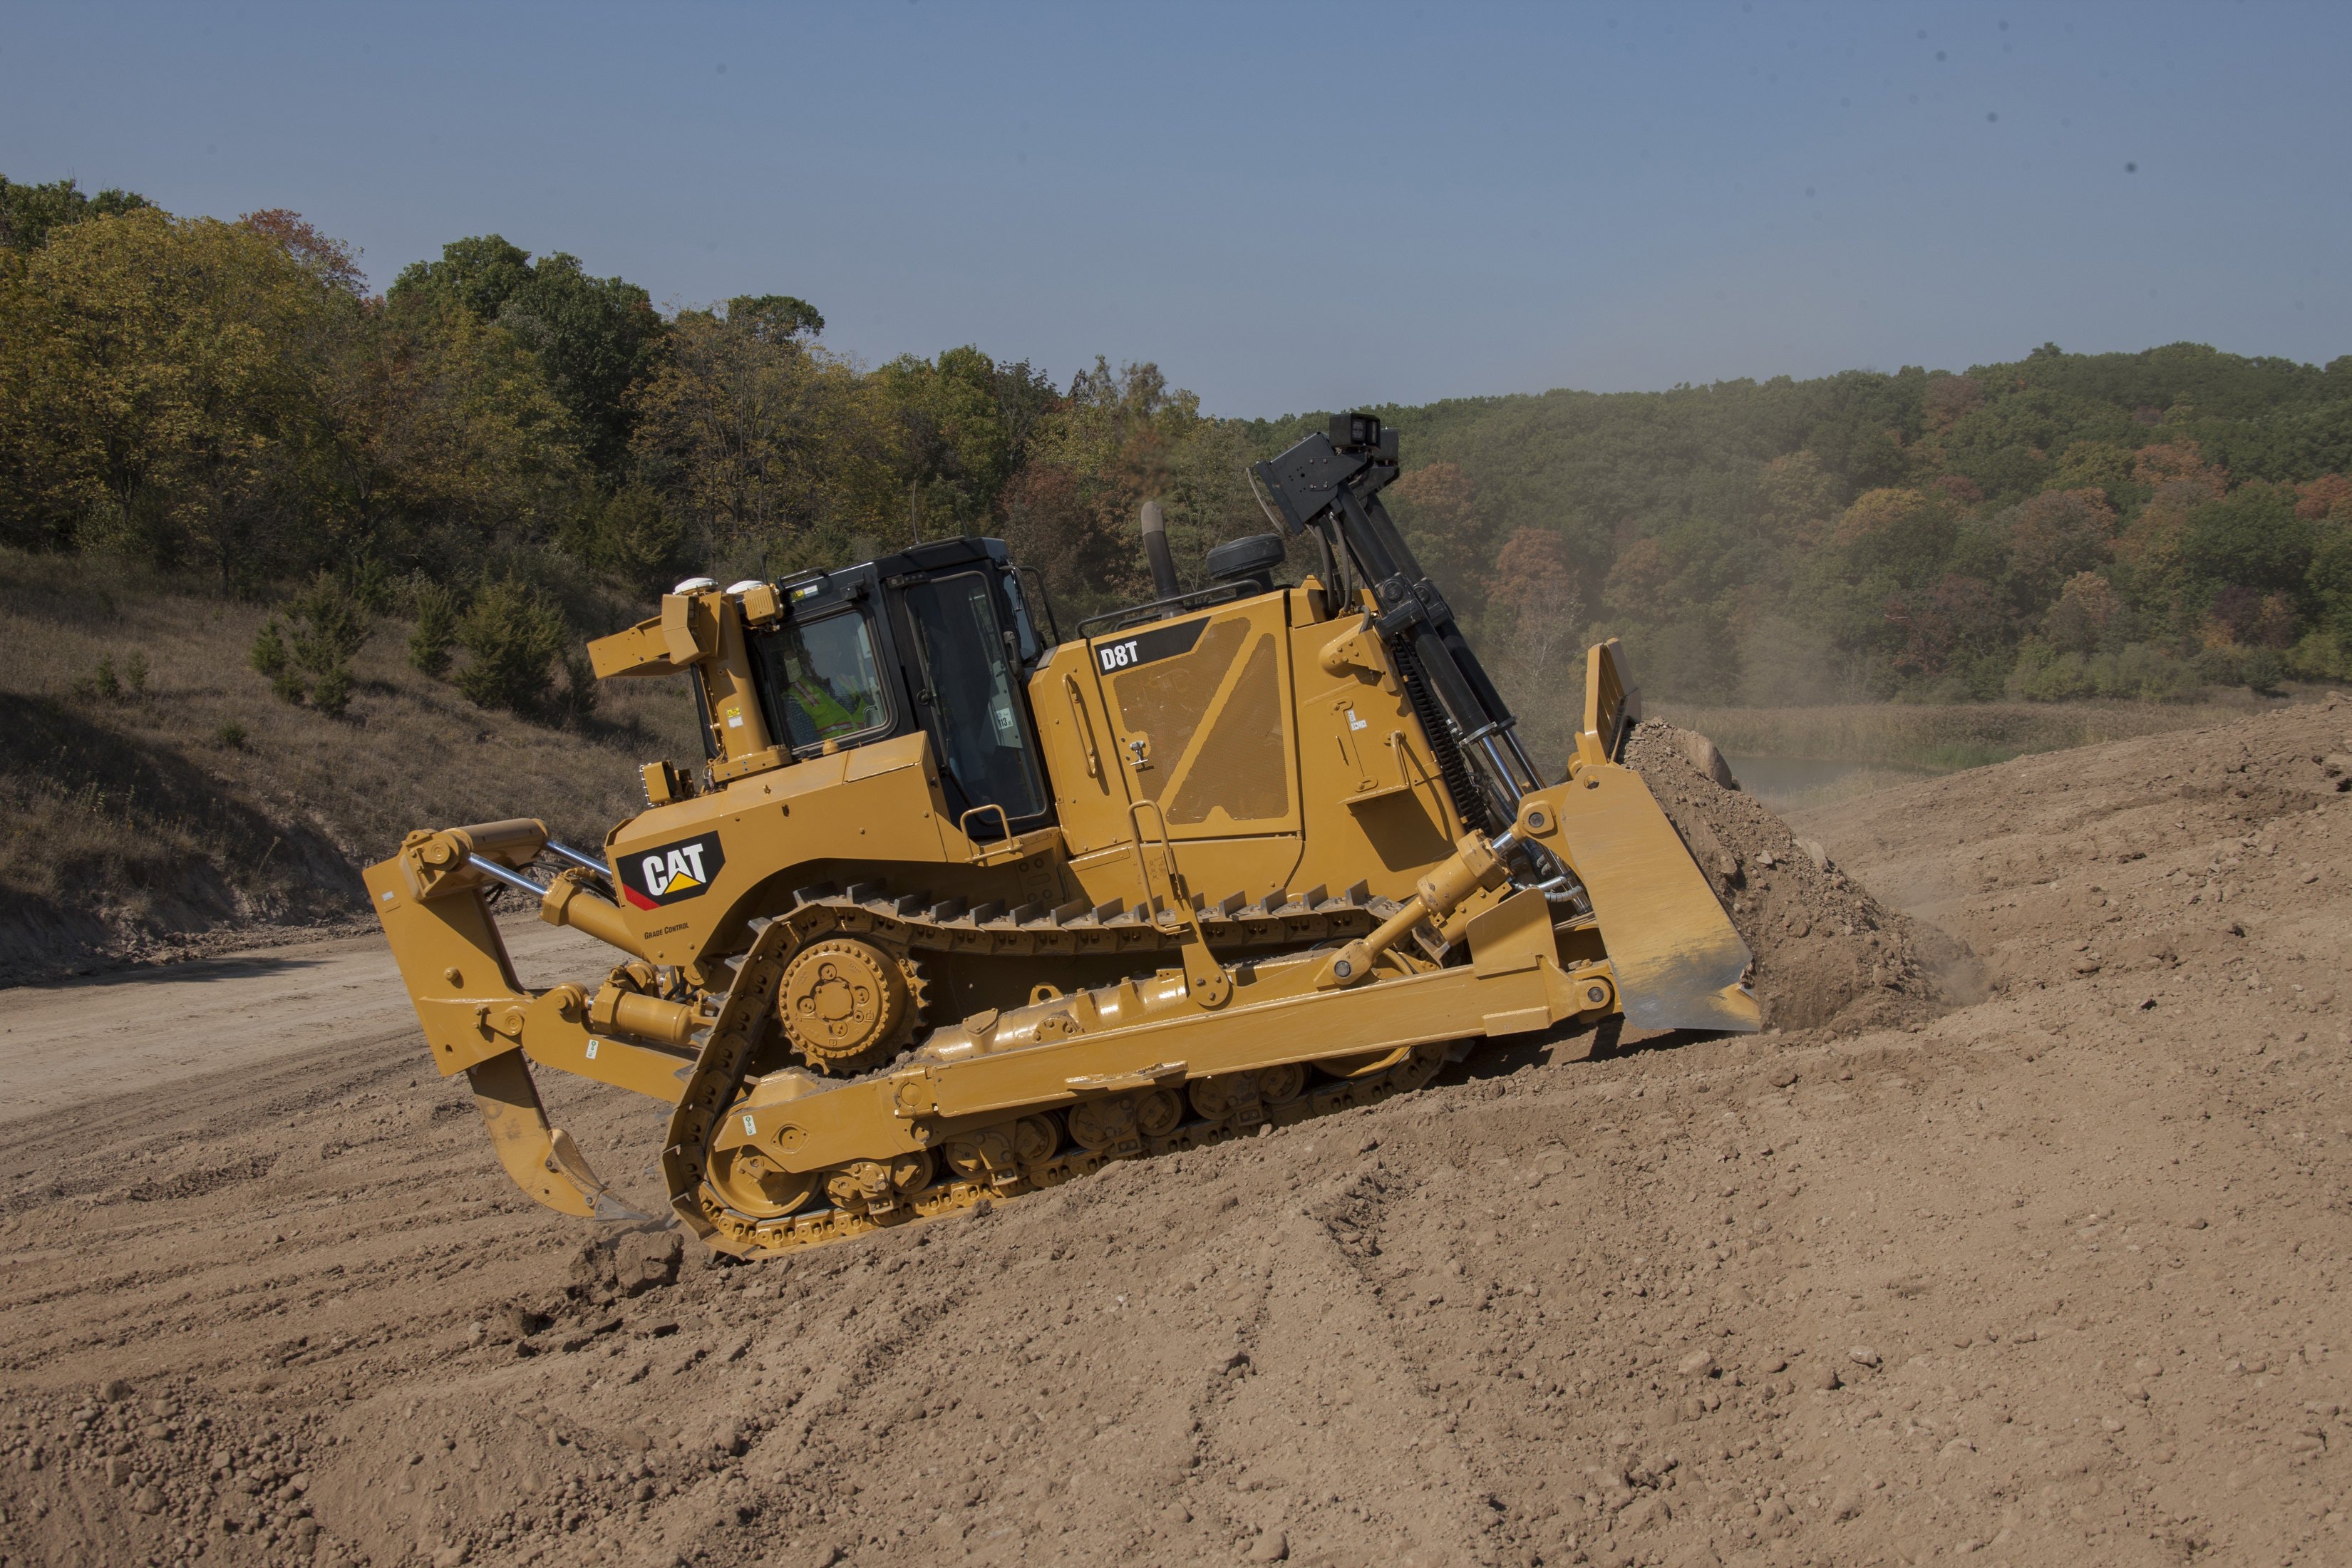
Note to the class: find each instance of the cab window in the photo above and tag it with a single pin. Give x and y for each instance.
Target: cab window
(820, 680)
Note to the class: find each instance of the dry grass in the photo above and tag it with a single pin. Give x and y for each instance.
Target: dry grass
(1961, 735)
(203, 801)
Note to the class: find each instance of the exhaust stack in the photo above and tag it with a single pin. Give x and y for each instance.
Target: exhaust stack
(1155, 546)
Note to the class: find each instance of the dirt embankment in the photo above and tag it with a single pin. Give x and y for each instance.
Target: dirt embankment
(157, 803)
(2055, 1277)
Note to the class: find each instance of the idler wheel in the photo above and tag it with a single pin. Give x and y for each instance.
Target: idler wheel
(843, 1003)
(749, 1182)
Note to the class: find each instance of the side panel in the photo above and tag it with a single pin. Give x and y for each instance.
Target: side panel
(692, 873)
(1200, 710)
(1375, 806)
(1081, 753)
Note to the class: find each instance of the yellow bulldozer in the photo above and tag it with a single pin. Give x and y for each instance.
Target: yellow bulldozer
(959, 906)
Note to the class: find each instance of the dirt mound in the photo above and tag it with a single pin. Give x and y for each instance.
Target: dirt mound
(1828, 954)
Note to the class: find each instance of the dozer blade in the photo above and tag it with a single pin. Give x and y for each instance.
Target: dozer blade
(1680, 964)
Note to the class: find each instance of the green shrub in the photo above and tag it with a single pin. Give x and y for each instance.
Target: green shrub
(514, 637)
(2256, 668)
(307, 653)
(269, 655)
(231, 735)
(333, 694)
(578, 701)
(2322, 655)
(329, 627)
(435, 639)
(2136, 672)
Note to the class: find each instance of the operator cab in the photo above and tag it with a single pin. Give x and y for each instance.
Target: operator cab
(939, 638)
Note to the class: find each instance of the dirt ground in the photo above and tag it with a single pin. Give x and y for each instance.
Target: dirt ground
(2043, 1273)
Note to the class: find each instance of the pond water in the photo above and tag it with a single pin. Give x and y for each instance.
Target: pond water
(1786, 783)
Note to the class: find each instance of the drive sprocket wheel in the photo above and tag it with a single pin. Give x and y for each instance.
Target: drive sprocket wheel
(846, 1004)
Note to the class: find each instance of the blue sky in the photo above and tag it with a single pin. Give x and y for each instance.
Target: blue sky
(1289, 206)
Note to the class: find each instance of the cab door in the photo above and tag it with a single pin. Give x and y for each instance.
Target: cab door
(1090, 796)
(1199, 715)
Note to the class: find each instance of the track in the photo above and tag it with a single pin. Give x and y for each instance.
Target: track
(914, 929)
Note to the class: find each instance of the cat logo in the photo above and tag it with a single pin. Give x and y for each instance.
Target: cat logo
(669, 873)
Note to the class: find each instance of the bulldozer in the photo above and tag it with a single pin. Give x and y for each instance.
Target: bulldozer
(959, 906)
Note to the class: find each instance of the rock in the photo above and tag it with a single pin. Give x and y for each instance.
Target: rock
(113, 1390)
(648, 1260)
(1651, 1510)
(1781, 1077)
(1815, 853)
(1862, 1356)
(147, 1499)
(1698, 1363)
(1825, 1376)
(592, 1266)
(1707, 759)
(452, 1557)
(515, 1321)
(1271, 1547)
(1844, 1506)
(117, 1470)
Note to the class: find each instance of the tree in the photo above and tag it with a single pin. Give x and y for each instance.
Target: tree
(779, 316)
(329, 260)
(2053, 537)
(154, 385)
(1124, 436)
(596, 338)
(28, 213)
(514, 639)
(1436, 505)
(447, 444)
(768, 448)
(953, 454)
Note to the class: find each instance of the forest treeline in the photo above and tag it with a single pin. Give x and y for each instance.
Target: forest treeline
(506, 452)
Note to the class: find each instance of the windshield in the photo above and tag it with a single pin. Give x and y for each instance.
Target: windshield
(820, 680)
(973, 714)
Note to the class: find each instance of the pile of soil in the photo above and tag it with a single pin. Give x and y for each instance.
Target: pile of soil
(1828, 954)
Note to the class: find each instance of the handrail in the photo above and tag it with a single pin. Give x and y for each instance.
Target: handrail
(1160, 609)
(1205, 978)
(1085, 725)
(973, 854)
